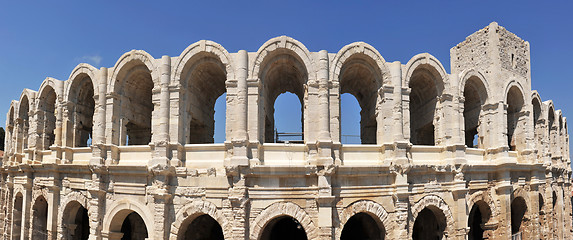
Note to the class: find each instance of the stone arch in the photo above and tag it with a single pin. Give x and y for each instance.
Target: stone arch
(426, 78)
(279, 209)
(373, 209)
(485, 197)
(475, 91)
(519, 210)
(521, 192)
(120, 209)
(538, 123)
(516, 119)
(75, 204)
(283, 42)
(203, 46)
(80, 72)
(11, 113)
(81, 93)
(39, 224)
(134, 106)
(565, 144)
(17, 210)
(481, 206)
(10, 136)
(426, 59)
(282, 65)
(439, 207)
(203, 70)
(549, 115)
(359, 48)
(53, 83)
(561, 134)
(129, 60)
(48, 99)
(74, 196)
(192, 211)
(469, 73)
(25, 106)
(537, 110)
(360, 70)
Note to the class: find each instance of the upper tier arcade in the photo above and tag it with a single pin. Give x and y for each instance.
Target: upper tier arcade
(153, 112)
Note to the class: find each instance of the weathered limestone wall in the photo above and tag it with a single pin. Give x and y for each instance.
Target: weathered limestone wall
(127, 151)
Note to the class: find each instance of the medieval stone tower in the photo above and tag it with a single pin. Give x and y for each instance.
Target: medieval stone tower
(127, 152)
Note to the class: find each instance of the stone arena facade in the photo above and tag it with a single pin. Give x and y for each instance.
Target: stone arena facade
(127, 152)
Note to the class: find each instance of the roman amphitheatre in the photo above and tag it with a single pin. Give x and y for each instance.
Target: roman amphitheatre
(127, 152)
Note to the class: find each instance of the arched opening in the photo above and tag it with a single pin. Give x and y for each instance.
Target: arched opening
(17, 217)
(283, 228)
(136, 104)
(360, 77)
(514, 118)
(205, 77)
(554, 200)
(552, 128)
(535, 102)
(40, 219)
(201, 228)
(349, 120)
(133, 227)
(281, 71)
(9, 135)
(82, 96)
(287, 107)
(518, 210)
(423, 101)
(47, 124)
(536, 111)
(479, 216)
(220, 116)
(541, 202)
(429, 225)
(561, 135)
(362, 226)
(23, 124)
(475, 96)
(76, 222)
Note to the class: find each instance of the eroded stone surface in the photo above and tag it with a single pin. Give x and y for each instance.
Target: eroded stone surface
(128, 150)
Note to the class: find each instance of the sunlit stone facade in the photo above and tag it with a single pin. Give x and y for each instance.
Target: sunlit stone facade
(127, 152)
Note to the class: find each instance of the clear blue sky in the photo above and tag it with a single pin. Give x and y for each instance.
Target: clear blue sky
(49, 38)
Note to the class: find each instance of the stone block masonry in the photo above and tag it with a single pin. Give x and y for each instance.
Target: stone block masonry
(127, 152)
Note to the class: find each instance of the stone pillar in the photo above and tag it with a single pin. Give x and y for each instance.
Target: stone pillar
(33, 136)
(162, 200)
(534, 199)
(324, 141)
(256, 119)
(99, 126)
(160, 145)
(459, 193)
(100, 123)
(9, 200)
(53, 204)
(503, 190)
(400, 119)
(401, 214)
(240, 138)
(325, 202)
(26, 209)
(240, 206)
(59, 134)
(97, 199)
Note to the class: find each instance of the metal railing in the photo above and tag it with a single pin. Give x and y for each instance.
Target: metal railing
(516, 236)
(290, 137)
